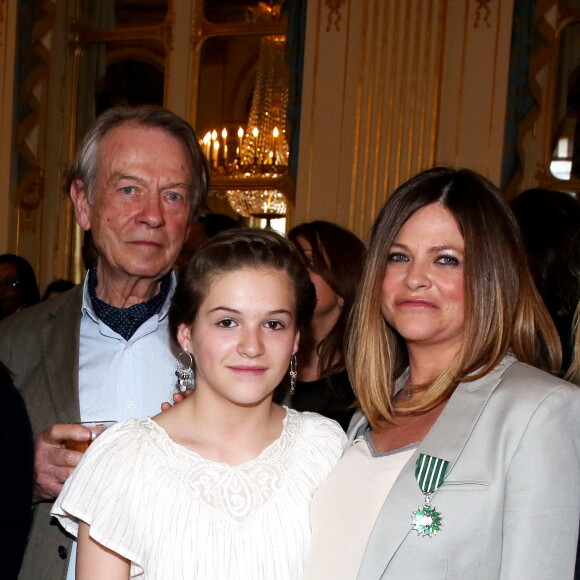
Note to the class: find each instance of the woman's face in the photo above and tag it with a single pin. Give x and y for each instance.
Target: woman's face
(243, 335)
(422, 292)
(327, 300)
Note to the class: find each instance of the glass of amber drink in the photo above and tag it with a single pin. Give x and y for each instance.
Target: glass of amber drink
(96, 427)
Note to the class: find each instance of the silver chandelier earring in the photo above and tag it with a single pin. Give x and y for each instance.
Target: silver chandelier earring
(293, 373)
(184, 371)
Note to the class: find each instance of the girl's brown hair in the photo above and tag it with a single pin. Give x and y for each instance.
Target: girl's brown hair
(239, 249)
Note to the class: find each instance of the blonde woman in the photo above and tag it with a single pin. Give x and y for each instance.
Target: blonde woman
(466, 461)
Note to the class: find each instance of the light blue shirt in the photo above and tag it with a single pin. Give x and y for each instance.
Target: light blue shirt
(122, 379)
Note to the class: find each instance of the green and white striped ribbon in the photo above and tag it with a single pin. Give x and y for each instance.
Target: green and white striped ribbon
(430, 472)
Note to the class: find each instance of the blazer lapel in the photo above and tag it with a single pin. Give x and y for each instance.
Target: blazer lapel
(445, 440)
(59, 344)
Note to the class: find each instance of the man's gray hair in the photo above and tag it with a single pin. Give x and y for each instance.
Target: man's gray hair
(86, 163)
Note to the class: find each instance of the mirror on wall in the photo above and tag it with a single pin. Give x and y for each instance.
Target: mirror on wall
(122, 47)
(241, 118)
(243, 96)
(226, 85)
(565, 159)
(112, 74)
(241, 86)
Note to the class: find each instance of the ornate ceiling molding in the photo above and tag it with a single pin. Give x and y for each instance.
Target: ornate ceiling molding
(2, 17)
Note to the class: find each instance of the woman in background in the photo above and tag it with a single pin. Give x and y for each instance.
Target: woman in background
(466, 461)
(550, 225)
(18, 287)
(334, 257)
(56, 288)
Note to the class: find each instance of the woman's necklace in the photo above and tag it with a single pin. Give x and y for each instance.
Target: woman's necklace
(409, 390)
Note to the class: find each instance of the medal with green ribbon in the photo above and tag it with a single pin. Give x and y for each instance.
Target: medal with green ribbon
(430, 473)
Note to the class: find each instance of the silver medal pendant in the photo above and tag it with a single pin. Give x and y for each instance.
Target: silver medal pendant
(426, 521)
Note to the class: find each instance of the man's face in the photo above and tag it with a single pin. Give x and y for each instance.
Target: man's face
(141, 202)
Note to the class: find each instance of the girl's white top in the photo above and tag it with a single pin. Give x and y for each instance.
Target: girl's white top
(174, 514)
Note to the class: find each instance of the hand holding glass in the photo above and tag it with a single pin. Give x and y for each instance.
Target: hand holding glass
(96, 428)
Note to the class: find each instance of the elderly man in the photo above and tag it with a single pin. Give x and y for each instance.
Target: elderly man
(102, 350)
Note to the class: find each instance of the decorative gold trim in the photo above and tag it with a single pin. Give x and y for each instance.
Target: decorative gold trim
(196, 31)
(435, 111)
(541, 175)
(162, 32)
(482, 7)
(30, 187)
(396, 112)
(149, 51)
(1, 21)
(251, 183)
(334, 13)
(202, 29)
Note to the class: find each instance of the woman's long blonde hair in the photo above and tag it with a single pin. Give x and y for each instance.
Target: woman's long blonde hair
(503, 310)
(573, 374)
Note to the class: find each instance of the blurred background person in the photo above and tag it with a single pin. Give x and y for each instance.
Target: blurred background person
(334, 257)
(56, 288)
(16, 466)
(462, 438)
(89, 252)
(550, 224)
(18, 287)
(205, 227)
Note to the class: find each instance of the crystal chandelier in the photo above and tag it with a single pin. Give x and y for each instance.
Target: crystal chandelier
(259, 153)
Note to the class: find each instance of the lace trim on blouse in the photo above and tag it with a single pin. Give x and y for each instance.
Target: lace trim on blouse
(236, 492)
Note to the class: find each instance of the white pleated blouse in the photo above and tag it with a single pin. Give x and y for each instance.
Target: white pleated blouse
(174, 514)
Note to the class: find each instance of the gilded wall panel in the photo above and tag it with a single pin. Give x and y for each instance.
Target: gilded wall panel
(36, 141)
(370, 106)
(8, 10)
(35, 22)
(398, 104)
(395, 88)
(474, 88)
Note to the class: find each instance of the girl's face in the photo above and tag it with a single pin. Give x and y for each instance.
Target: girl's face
(422, 294)
(243, 335)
